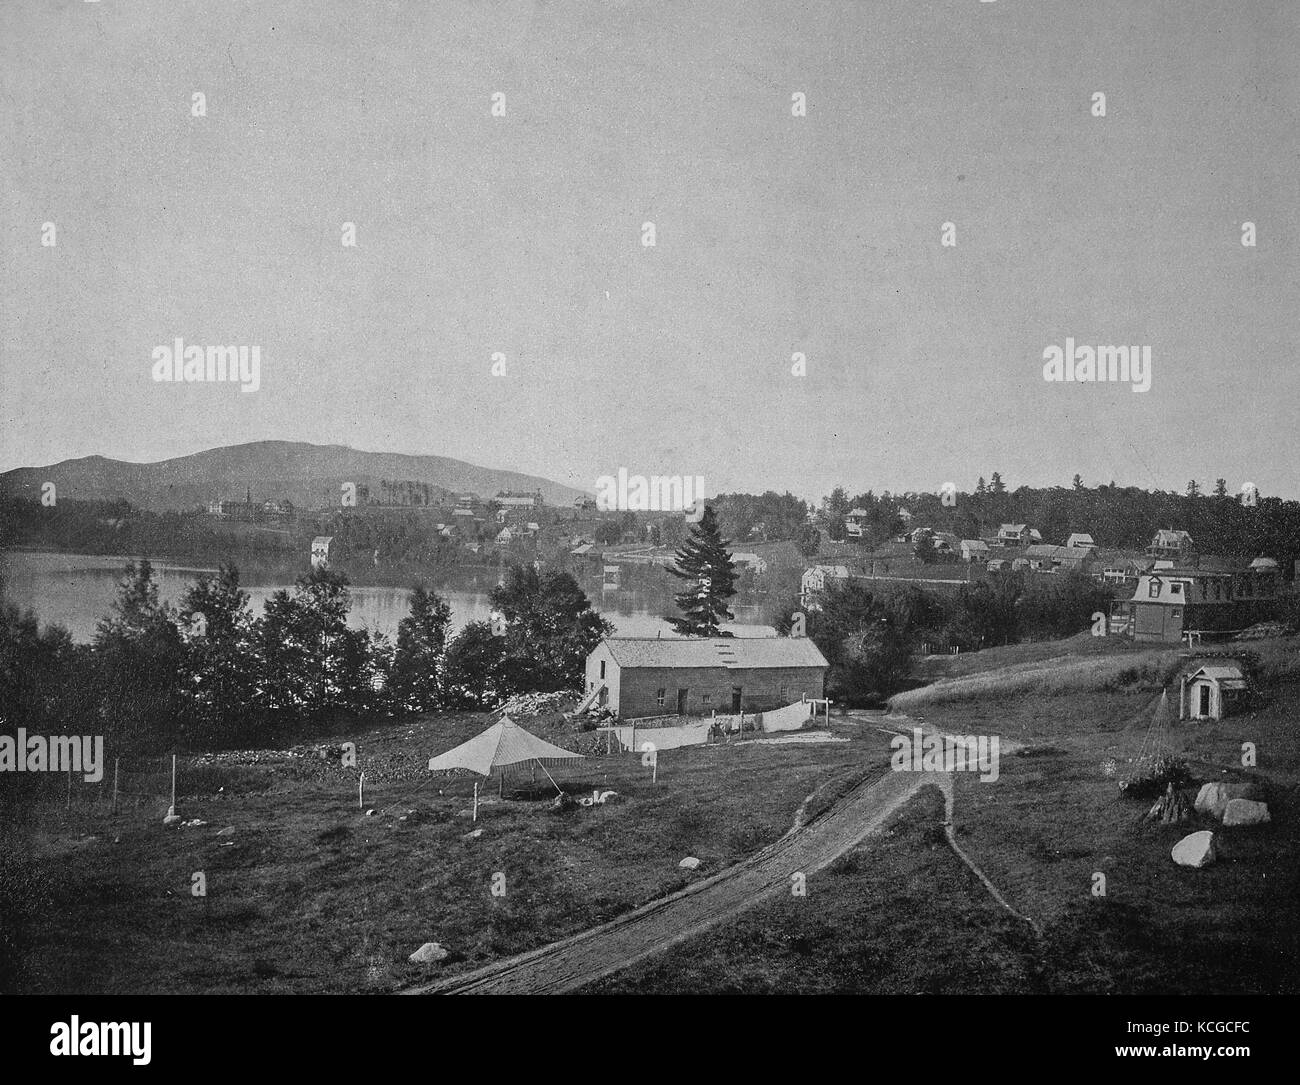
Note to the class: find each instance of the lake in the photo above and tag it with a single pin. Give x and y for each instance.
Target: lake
(77, 590)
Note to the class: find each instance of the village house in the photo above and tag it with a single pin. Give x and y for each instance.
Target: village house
(816, 580)
(1169, 545)
(1080, 539)
(1168, 604)
(510, 499)
(747, 560)
(320, 551)
(639, 677)
(1016, 535)
(1044, 557)
(854, 522)
(974, 550)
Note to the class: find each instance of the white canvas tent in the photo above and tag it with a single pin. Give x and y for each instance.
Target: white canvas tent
(500, 746)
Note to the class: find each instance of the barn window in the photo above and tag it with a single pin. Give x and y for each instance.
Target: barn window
(602, 668)
(659, 697)
(1153, 591)
(1175, 588)
(708, 698)
(781, 690)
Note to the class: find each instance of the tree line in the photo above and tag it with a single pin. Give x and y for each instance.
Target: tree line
(1226, 521)
(207, 672)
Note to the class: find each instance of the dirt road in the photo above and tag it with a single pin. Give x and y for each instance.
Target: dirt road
(570, 964)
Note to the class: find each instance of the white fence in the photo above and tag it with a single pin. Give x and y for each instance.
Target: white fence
(631, 736)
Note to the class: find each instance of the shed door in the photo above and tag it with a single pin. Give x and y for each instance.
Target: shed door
(735, 699)
(1205, 699)
(681, 702)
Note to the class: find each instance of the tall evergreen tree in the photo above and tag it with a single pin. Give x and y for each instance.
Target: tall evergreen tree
(704, 561)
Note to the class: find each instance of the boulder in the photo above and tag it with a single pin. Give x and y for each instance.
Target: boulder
(473, 836)
(229, 830)
(689, 863)
(429, 953)
(1245, 812)
(1196, 850)
(1212, 799)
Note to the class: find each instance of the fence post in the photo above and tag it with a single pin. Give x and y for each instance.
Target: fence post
(116, 762)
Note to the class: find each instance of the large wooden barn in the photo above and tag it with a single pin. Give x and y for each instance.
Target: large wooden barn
(638, 677)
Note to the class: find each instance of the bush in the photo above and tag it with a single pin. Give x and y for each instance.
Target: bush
(1151, 776)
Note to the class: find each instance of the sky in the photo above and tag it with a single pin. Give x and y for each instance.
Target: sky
(774, 235)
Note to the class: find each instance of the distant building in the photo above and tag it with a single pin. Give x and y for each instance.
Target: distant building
(320, 551)
(504, 536)
(998, 565)
(816, 580)
(510, 499)
(745, 560)
(1014, 535)
(854, 523)
(638, 677)
(1171, 546)
(1080, 539)
(1044, 557)
(1171, 603)
(974, 550)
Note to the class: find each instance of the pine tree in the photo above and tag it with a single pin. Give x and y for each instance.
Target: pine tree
(704, 561)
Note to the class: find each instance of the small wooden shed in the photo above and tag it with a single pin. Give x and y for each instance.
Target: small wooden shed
(1213, 690)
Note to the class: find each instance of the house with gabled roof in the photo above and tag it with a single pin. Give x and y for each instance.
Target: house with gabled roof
(657, 676)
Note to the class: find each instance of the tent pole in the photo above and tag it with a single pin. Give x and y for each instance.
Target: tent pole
(551, 778)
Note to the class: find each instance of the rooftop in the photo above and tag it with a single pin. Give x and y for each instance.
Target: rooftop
(733, 653)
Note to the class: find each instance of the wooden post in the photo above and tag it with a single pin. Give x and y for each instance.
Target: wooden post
(361, 794)
(69, 783)
(501, 783)
(116, 762)
(173, 783)
(475, 817)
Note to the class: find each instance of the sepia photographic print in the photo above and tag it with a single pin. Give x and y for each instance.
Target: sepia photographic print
(648, 498)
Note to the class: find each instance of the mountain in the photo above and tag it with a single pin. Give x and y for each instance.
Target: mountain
(308, 475)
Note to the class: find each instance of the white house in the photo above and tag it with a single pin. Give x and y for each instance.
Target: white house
(1015, 535)
(974, 550)
(1080, 539)
(320, 551)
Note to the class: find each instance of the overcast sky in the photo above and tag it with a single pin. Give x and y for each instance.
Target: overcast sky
(774, 234)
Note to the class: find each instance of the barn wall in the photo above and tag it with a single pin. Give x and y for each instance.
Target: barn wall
(760, 688)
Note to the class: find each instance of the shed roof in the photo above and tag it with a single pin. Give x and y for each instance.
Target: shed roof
(733, 653)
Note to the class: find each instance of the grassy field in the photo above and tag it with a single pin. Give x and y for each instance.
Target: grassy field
(901, 914)
(308, 895)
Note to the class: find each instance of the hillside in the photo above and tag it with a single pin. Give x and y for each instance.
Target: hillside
(308, 475)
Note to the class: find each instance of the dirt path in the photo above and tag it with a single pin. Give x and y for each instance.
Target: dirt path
(589, 956)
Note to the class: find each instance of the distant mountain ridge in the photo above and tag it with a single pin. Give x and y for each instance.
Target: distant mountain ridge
(306, 474)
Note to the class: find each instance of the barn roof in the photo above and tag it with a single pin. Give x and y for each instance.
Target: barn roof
(733, 653)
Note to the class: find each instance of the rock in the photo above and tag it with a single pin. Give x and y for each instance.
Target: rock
(689, 863)
(193, 823)
(1196, 850)
(171, 819)
(1245, 812)
(229, 830)
(429, 953)
(1213, 798)
(370, 813)
(473, 836)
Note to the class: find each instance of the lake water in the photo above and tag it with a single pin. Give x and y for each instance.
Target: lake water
(77, 590)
